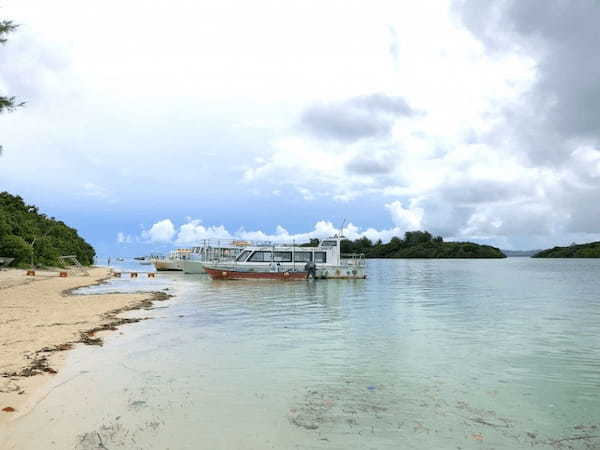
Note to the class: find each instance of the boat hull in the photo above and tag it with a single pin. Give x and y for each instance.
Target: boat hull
(191, 266)
(227, 274)
(175, 265)
(230, 273)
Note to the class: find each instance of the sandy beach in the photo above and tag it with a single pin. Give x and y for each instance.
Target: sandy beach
(40, 319)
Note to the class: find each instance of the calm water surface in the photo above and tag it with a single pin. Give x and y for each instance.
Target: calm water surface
(424, 354)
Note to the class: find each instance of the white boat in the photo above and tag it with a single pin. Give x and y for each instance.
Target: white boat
(212, 252)
(192, 260)
(172, 262)
(168, 264)
(193, 266)
(285, 262)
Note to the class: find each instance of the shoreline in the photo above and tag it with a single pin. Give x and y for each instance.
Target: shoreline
(42, 318)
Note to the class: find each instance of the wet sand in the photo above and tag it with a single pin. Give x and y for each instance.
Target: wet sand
(40, 319)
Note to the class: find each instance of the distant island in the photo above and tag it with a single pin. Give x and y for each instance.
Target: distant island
(589, 250)
(33, 238)
(420, 244)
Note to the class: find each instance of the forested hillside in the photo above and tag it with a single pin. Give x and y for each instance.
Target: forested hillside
(589, 250)
(27, 235)
(420, 244)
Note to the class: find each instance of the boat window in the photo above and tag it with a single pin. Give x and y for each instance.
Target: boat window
(320, 257)
(282, 257)
(303, 256)
(329, 244)
(243, 256)
(261, 257)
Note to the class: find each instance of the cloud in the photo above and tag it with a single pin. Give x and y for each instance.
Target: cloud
(356, 118)
(371, 164)
(561, 110)
(410, 218)
(486, 127)
(194, 233)
(31, 67)
(162, 231)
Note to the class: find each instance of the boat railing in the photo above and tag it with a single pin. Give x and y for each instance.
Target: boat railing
(240, 243)
(353, 259)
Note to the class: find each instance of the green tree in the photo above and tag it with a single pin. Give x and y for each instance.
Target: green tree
(34, 238)
(15, 247)
(416, 237)
(589, 250)
(420, 244)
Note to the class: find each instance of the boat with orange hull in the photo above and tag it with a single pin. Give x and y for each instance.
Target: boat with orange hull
(225, 274)
(285, 262)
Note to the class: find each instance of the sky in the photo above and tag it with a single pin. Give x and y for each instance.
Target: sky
(154, 125)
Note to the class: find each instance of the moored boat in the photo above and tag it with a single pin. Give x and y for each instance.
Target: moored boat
(211, 252)
(172, 262)
(284, 262)
(168, 264)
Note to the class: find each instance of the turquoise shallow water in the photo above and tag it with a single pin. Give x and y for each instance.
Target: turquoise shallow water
(423, 354)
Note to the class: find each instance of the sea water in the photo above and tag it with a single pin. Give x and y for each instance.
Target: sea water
(424, 354)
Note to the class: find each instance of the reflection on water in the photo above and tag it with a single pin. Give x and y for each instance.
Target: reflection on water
(423, 354)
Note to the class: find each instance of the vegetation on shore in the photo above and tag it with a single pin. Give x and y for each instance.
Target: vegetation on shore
(420, 244)
(31, 237)
(589, 250)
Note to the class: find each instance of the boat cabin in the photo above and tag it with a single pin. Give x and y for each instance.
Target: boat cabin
(328, 253)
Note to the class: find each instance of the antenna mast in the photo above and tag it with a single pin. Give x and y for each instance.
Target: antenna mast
(342, 228)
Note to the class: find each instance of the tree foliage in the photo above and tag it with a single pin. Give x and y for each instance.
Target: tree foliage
(313, 243)
(6, 26)
(419, 244)
(589, 250)
(25, 233)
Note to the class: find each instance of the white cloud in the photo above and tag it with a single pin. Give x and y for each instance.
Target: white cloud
(194, 233)
(406, 218)
(162, 231)
(438, 170)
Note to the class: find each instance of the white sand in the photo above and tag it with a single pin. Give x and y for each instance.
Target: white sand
(37, 313)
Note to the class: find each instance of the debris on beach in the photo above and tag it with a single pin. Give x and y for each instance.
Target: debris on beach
(8, 409)
(8, 386)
